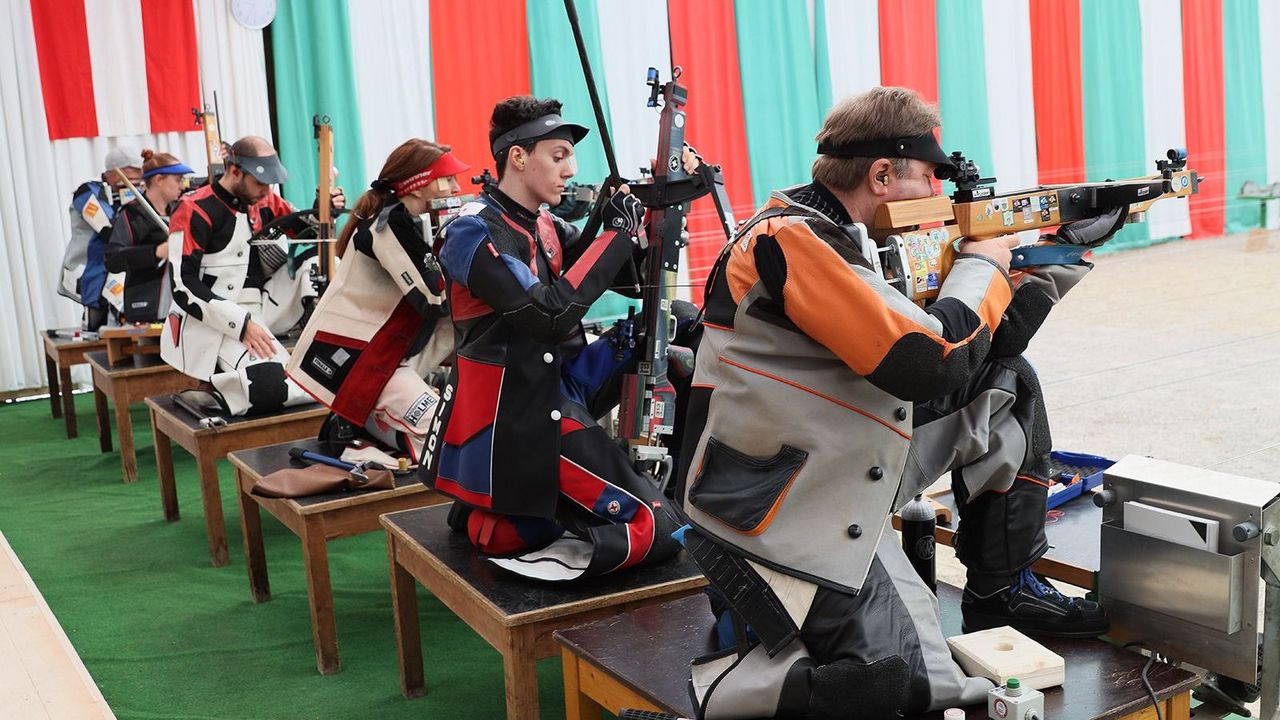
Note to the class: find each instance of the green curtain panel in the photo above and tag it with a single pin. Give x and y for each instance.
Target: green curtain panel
(1246, 135)
(314, 75)
(1114, 135)
(962, 81)
(779, 92)
(555, 71)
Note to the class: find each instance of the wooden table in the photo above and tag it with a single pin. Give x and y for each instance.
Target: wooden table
(641, 660)
(1074, 539)
(127, 341)
(169, 422)
(41, 676)
(514, 614)
(315, 520)
(147, 375)
(59, 355)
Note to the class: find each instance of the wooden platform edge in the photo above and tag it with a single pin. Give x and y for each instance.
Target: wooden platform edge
(96, 702)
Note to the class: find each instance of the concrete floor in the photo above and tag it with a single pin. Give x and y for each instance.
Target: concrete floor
(1169, 351)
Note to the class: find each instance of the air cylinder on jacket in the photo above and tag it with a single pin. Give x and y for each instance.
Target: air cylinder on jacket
(919, 524)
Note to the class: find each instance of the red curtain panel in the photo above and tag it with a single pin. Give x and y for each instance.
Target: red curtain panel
(1059, 104)
(1205, 95)
(66, 72)
(173, 72)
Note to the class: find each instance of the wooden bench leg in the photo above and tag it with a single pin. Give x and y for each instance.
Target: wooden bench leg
(164, 469)
(404, 604)
(577, 704)
(1178, 707)
(211, 498)
(255, 555)
(68, 402)
(103, 417)
(128, 455)
(324, 629)
(519, 672)
(55, 393)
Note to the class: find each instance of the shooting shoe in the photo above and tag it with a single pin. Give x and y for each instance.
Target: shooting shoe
(1033, 606)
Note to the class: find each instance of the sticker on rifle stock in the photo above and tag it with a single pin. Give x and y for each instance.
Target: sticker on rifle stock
(1007, 218)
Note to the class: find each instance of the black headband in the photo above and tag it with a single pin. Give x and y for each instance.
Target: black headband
(543, 128)
(921, 147)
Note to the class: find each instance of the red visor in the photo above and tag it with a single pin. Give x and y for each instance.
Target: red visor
(445, 166)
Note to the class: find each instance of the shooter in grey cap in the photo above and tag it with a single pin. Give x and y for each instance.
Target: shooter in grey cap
(93, 205)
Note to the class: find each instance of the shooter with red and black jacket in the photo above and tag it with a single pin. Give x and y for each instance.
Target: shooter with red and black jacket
(516, 438)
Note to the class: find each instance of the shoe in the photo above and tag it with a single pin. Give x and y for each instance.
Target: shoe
(1033, 606)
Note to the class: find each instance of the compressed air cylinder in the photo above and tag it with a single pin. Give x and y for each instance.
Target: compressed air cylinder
(919, 524)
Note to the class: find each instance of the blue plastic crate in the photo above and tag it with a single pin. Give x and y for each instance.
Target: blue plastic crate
(1068, 466)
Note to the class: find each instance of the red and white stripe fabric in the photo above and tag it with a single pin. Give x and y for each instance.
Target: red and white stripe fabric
(116, 67)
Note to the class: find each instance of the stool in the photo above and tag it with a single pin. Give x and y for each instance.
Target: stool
(60, 353)
(147, 375)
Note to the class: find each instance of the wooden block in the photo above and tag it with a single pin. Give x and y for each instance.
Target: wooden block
(1001, 653)
(902, 214)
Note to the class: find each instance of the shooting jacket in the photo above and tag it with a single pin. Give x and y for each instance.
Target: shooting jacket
(381, 311)
(216, 274)
(800, 417)
(84, 270)
(519, 285)
(131, 249)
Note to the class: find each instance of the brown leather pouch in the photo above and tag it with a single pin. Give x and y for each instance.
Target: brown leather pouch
(318, 479)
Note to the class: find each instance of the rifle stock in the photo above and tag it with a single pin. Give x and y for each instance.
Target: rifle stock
(917, 259)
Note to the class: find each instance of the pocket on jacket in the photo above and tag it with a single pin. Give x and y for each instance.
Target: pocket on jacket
(329, 358)
(743, 491)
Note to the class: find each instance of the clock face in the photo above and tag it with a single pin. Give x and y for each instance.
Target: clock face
(253, 14)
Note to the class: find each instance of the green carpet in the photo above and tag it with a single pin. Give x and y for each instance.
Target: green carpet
(166, 635)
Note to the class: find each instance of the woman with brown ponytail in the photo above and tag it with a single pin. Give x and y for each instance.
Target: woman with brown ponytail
(137, 245)
(373, 336)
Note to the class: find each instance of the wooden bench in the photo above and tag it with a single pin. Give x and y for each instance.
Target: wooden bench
(1072, 530)
(131, 341)
(59, 355)
(207, 444)
(315, 520)
(515, 615)
(41, 676)
(641, 660)
(147, 375)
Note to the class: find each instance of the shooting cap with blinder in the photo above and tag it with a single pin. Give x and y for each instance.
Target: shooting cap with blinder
(267, 169)
(922, 147)
(547, 127)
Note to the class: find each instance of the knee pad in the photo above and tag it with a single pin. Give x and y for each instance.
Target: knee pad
(846, 690)
(508, 535)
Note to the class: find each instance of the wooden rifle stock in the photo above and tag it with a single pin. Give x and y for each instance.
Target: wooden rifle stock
(917, 237)
(325, 248)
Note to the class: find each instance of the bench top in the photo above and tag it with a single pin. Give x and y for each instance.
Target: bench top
(62, 343)
(649, 650)
(521, 600)
(141, 365)
(164, 404)
(258, 462)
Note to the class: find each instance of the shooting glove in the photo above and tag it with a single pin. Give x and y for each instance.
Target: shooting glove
(1093, 231)
(623, 213)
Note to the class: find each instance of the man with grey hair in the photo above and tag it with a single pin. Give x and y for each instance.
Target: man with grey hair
(93, 206)
(824, 400)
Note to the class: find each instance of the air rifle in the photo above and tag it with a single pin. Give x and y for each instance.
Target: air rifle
(916, 259)
(207, 120)
(324, 212)
(647, 411)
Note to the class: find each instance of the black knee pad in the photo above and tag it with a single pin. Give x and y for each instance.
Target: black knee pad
(268, 388)
(846, 690)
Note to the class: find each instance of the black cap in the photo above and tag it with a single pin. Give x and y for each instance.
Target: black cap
(547, 126)
(921, 147)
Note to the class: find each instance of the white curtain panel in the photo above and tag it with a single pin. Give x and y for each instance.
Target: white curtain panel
(233, 64)
(1011, 114)
(1163, 108)
(635, 36)
(1269, 28)
(391, 49)
(853, 46)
